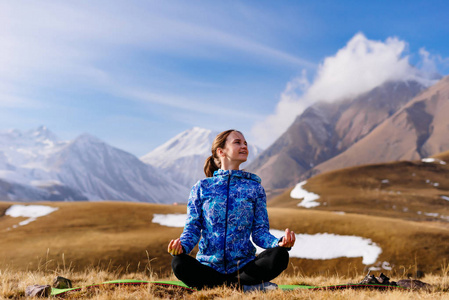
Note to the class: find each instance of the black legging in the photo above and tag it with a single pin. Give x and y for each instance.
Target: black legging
(265, 267)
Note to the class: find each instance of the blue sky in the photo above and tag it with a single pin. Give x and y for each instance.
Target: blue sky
(136, 73)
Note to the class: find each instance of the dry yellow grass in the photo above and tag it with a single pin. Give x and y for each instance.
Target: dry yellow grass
(13, 285)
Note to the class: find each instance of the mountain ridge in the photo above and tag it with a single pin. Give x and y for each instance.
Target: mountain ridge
(415, 131)
(37, 166)
(325, 130)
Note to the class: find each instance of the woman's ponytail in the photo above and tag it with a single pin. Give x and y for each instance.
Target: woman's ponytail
(210, 166)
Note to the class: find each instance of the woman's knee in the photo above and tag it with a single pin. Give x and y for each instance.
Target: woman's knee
(178, 264)
(275, 259)
(282, 257)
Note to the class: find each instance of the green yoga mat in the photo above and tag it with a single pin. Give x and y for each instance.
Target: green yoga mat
(179, 284)
(55, 291)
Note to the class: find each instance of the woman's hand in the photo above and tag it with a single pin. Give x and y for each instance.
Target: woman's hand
(288, 240)
(175, 247)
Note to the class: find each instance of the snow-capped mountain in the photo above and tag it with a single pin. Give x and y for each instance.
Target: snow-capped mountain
(3, 161)
(110, 173)
(183, 156)
(23, 155)
(35, 165)
(30, 147)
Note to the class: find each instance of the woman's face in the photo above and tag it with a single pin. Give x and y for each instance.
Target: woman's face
(236, 148)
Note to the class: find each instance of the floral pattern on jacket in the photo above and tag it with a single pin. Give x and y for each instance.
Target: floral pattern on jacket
(223, 212)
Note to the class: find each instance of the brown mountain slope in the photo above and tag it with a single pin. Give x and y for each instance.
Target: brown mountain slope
(370, 109)
(417, 130)
(307, 142)
(416, 191)
(121, 237)
(326, 129)
(444, 156)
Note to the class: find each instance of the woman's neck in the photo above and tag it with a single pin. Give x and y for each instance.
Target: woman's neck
(226, 165)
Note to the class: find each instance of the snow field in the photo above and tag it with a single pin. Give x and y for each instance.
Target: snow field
(308, 246)
(29, 211)
(308, 198)
(170, 220)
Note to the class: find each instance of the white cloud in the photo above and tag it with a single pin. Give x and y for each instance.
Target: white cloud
(287, 109)
(428, 66)
(358, 67)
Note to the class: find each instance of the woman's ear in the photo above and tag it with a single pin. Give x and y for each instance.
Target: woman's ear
(220, 152)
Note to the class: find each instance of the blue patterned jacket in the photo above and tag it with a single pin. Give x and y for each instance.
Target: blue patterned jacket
(224, 211)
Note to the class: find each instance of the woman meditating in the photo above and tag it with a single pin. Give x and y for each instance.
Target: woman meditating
(224, 211)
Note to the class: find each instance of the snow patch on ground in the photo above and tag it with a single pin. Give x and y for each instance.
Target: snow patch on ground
(435, 215)
(433, 160)
(329, 246)
(432, 183)
(432, 214)
(308, 198)
(29, 211)
(308, 246)
(170, 220)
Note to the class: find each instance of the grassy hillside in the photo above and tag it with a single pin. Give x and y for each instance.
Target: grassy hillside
(444, 156)
(121, 237)
(82, 234)
(405, 190)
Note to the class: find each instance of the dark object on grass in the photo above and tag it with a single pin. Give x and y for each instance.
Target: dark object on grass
(38, 290)
(382, 279)
(62, 283)
(414, 284)
(369, 279)
(405, 283)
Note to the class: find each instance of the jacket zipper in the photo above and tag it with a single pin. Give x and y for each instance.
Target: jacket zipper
(226, 224)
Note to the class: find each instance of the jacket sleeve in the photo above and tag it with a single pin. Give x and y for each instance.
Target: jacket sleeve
(192, 230)
(261, 226)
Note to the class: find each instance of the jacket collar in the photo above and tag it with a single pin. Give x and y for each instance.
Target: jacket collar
(238, 173)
